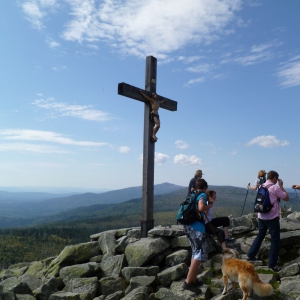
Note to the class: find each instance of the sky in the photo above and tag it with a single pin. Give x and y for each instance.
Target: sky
(233, 67)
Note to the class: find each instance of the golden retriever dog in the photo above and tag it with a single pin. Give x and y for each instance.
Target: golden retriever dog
(243, 272)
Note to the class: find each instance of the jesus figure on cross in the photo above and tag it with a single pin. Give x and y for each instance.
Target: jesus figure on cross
(155, 103)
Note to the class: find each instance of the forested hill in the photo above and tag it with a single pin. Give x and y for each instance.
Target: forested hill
(16, 209)
(230, 200)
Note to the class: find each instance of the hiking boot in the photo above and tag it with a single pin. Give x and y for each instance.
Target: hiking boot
(251, 259)
(198, 282)
(192, 286)
(275, 269)
(229, 240)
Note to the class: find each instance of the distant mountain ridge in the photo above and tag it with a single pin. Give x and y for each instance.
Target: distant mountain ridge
(50, 189)
(54, 205)
(29, 196)
(230, 201)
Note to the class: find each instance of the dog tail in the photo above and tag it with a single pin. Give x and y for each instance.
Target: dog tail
(262, 289)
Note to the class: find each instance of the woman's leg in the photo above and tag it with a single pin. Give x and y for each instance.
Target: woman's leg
(193, 271)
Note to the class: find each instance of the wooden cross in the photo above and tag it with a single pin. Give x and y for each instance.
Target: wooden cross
(132, 92)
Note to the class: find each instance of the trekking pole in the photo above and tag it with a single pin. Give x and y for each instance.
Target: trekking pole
(245, 198)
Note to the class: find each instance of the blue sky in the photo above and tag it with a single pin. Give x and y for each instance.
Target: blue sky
(233, 67)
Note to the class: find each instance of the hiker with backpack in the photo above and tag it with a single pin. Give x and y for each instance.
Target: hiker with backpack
(192, 184)
(261, 179)
(212, 224)
(269, 220)
(196, 235)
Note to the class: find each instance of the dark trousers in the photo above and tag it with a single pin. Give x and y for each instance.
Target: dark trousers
(274, 228)
(213, 229)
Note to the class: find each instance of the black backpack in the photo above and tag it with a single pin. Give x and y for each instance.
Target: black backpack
(262, 203)
(188, 212)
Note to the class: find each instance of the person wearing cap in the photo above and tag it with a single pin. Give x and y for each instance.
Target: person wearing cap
(192, 185)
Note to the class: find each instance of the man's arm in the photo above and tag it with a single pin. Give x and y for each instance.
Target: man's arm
(192, 185)
(296, 187)
(146, 97)
(287, 197)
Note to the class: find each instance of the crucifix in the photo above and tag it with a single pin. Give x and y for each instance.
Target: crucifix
(135, 93)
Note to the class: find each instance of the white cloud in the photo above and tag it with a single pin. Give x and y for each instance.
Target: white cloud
(253, 3)
(124, 23)
(31, 148)
(170, 25)
(59, 68)
(44, 136)
(48, 3)
(252, 59)
(197, 80)
(52, 43)
(124, 149)
(234, 152)
(267, 141)
(36, 10)
(33, 14)
(219, 76)
(190, 59)
(260, 48)
(186, 160)
(77, 111)
(202, 68)
(181, 144)
(257, 54)
(159, 158)
(290, 73)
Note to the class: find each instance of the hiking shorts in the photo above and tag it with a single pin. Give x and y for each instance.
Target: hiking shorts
(198, 243)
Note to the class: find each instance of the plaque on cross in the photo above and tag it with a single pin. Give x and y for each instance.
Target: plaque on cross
(135, 93)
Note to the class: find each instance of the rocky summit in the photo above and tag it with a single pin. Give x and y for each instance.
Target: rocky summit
(119, 264)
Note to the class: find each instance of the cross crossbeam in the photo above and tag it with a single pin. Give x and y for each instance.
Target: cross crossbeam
(132, 92)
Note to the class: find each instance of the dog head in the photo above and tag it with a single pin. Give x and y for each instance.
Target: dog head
(230, 253)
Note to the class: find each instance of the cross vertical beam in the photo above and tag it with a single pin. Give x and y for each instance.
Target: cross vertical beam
(133, 92)
(147, 221)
